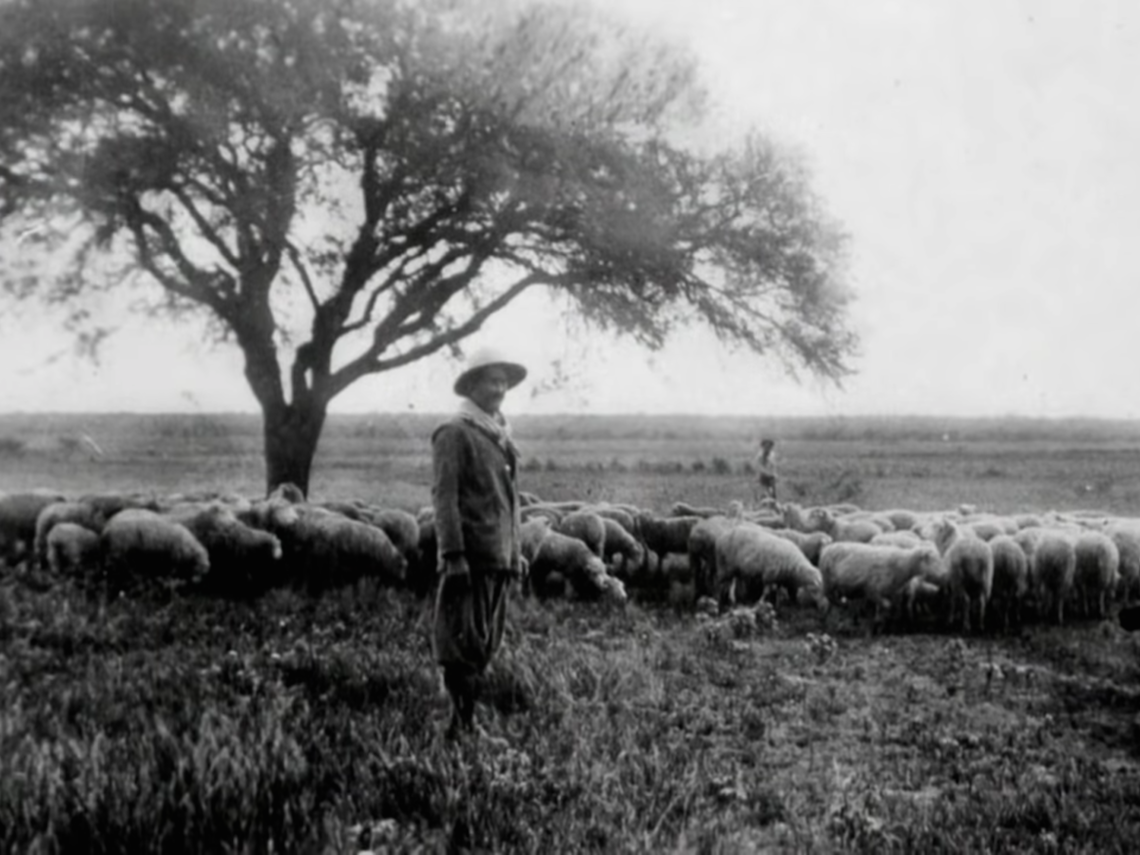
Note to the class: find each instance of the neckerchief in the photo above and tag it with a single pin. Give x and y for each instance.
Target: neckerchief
(496, 426)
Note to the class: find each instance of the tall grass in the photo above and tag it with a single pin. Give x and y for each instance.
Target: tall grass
(287, 724)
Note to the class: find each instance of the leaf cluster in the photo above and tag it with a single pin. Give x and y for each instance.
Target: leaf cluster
(368, 182)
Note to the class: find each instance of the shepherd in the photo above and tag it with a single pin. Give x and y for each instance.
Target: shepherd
(766, 476)
(476, 502)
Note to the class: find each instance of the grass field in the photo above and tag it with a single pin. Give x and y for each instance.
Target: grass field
(287, 724)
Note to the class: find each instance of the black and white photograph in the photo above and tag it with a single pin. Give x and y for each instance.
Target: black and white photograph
(569, 426)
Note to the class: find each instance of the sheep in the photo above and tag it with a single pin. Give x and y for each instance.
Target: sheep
(1010, 580)
(842, 528)
(811, 544)
(875, 574)
(74, 512)
(1051, 572)
(623, 517)
(531, 534)
(544, 511)
(684, 509)
(901, 519)
(663, 535)
(141, 546)
(324, 550)
(620, 544)
(904, 539)
(560, 559)
(702, 552)
(1096, 571)
(1126, 535)
(423, 572)
(794, 517)
(588, 527)
(18, 514)
(70, 549)
(969, 570)
(243, 559)
(402, 529)
(987, 528)
(750, 558)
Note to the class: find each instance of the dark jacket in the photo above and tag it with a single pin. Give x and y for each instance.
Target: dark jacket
(475, 496)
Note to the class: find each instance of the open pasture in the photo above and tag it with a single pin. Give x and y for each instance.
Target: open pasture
(288, 724)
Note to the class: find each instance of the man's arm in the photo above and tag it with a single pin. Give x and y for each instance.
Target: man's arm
(446, 458)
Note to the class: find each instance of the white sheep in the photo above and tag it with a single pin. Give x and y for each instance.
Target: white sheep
(402, 528)
(561, 560)
(904, 539)
(810, 543)
(243, 559)
(969, 570)
(531, 534)
(74, 512)
(1051, 572)
(71, 549)
(588, 527)
(141, 546)
(902, 519)
(878, 575)
(1096, 572)
(622, 515)
(753, 562)
(18, 514)
(702, 552)
(856, 530)
(90, 511)
(324, 549)
(1010, 580)
(621, 544)
(1125, 533)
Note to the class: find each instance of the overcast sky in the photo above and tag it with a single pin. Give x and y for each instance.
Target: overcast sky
(984, 156)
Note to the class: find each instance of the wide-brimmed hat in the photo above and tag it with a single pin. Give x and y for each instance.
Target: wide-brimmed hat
(485, 358)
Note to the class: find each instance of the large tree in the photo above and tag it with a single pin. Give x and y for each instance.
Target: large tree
(344, 187)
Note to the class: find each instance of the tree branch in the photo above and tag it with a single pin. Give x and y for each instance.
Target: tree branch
(370, 363)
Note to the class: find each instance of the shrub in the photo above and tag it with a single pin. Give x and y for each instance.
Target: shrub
(720, 466)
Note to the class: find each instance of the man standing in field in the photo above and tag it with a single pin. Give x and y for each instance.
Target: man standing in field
(475, 498)
(766, 469)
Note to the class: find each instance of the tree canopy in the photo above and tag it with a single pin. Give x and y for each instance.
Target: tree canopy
(347, 186)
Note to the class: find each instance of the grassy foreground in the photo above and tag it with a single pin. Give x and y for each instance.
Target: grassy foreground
(287, 724)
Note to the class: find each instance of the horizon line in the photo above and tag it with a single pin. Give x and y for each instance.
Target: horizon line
(587, 415)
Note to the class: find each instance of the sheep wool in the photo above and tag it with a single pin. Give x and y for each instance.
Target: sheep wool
(878, 575)
(1096, 572)
(1010, 580)
(18, 515)
(588, 527)
(1126, 535)
(560, 558)
(1051, 572)
(969, 570)
(140, 547)
(702, 552)
(751, 562)
(621, 550)
(71, 549)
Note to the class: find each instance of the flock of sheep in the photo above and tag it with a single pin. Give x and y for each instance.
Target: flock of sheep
(959, 567)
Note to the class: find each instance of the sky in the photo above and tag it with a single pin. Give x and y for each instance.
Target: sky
(981, 154)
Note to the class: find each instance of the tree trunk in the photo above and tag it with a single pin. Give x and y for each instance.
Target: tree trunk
(291, 436)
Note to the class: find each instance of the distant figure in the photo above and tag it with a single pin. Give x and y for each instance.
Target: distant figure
(766, 476)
